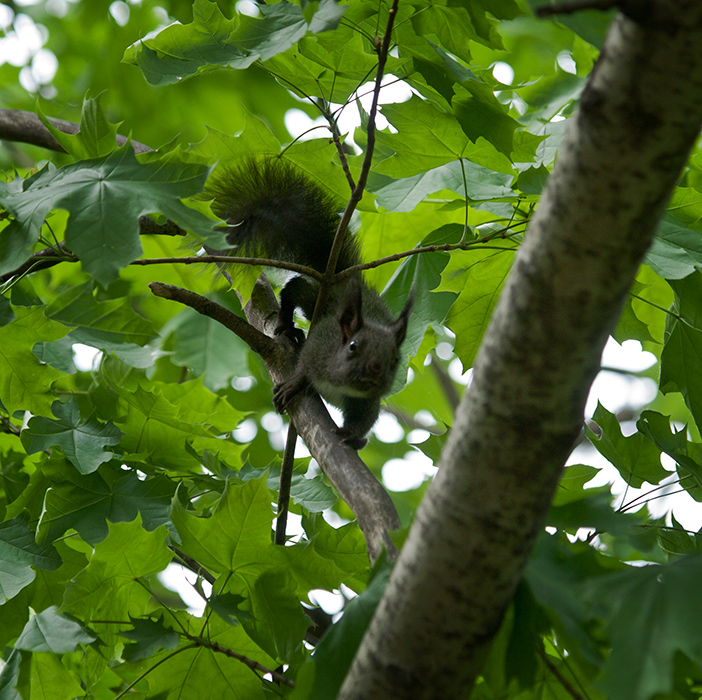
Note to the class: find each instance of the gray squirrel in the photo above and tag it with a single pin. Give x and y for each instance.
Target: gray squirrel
(351, 354)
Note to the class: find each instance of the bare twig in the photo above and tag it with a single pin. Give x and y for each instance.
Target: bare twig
(410, 422)
(229, 259)
(357, 193)
(7, 427)
(446, 247)
(41, 260)
(285, 481)
(567, 685)
(257, 341)
(194, 566)
(446, 383)
(48, 257)
(250, 663)
(572, 6)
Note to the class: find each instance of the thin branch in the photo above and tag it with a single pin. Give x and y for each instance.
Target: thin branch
(48, 257)
(250, 663)
(41, 260)
(568, 8)
(648, 498)
(229, 259)
(357, 193)
(410, 422)
(193, 565)
(336, 136)
(446, 247)
(257, 341)
(286, 470)
(567, 686)
(309, 272)
(197, 641)
(8, 427)
(447, 384)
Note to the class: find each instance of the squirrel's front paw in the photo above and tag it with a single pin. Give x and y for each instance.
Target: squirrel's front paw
(285, 392)
(281, 396)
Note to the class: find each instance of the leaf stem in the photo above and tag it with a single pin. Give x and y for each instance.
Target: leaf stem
(657, 306)
(153, 668)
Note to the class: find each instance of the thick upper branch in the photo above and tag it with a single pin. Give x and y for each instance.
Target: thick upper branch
(26, 127)
(638, 119)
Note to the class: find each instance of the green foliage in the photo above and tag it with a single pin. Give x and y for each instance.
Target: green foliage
(165, 449)
(102, 230)
(83, 442)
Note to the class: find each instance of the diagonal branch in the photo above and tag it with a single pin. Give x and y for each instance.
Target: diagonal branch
(354, 482)
(352, 479)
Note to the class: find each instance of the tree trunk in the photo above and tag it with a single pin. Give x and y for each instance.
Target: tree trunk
(638, 119)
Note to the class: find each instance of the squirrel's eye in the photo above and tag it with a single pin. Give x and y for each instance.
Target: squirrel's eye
(353, 347)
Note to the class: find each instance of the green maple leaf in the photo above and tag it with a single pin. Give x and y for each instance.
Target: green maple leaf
(104, 198)
(657, 613)
(20, 555)
(636, 457)
(86, 502)
(148, 636)
(109, 587)
(212, 39)
(25, 383)
(84, 442)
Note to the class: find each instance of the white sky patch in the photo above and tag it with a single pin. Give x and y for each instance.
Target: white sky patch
(503, 72)
(302, 126)
(85, 358)
(408, 473)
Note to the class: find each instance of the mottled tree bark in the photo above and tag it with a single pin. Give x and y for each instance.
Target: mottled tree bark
(638, 118)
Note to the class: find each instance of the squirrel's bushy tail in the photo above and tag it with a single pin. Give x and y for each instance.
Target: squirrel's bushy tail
(275, 211)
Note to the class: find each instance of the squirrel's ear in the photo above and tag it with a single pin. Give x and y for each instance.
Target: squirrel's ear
(400, 326)
(351, 310)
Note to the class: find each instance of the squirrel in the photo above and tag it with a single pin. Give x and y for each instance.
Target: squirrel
(351, 354)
